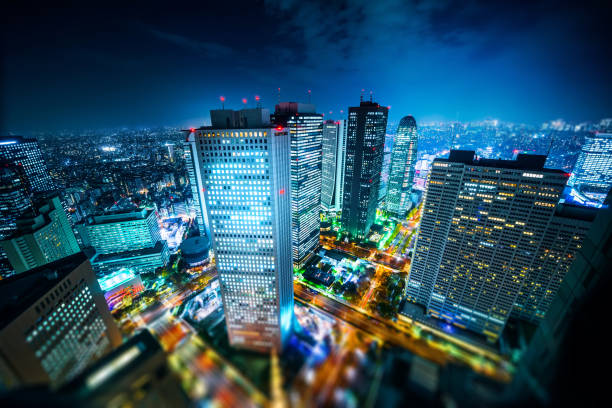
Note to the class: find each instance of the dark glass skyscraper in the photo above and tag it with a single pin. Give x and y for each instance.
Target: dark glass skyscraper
(306, 132)
(367, 124)
(26, 153)
(403, 160)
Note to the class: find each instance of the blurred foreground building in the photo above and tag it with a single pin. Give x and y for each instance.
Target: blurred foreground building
(54, 322)
(26, 153)
(246, 180)
(592, 175)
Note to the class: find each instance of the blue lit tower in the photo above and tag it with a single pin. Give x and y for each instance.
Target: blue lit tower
(592, 174)
(366, 129)
(334, 148)
(403, 160)
(306, 131)
(26, 153)
(246, 180)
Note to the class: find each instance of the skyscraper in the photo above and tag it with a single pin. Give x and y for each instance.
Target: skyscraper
(246, 180)
(26, 153)
(306, 131)
(54, 323)
(42, 236)
(194, 173)
(482, 226)
(334, 157)
(403, 160)
(366, 129)
(592, 175)
(14, 202)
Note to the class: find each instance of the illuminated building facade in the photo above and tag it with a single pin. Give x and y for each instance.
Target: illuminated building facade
(14, 202)
(26, 153)
(481, 230)
(120, 284)
(194, 173)
(559, 245)
(592, 174)
(403, 160)
(42, 236)
(306, 131)
(145, 260)
(120, 231)
(54, 322)
(333, 162)
(366, 129)
(246, 175)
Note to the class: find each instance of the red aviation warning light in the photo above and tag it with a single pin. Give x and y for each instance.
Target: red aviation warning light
(281, 191)
(279, 128)
(192, 130)
(257, 98)
(244, 100)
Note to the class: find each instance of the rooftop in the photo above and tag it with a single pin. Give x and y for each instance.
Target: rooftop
(522, 161)
(98, 258)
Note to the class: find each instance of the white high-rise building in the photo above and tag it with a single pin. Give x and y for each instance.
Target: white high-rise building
(403, 160)
(483, 225)
(246, 180)
(334, 148)
(192, 163)
(305, 128)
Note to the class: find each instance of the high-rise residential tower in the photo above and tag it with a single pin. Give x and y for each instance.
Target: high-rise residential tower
(366, 129)
(42, 236)
(403, 160)
(26, 153)
(305, 128)
(592, 174)
(482, 227)
(246, 181)
(332, 173)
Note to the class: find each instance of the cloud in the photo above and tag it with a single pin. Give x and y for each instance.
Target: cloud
(210, 49)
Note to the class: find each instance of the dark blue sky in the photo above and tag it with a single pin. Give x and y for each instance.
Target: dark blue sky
(76, 67)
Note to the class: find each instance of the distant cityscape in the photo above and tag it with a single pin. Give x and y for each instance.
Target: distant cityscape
(284, 257)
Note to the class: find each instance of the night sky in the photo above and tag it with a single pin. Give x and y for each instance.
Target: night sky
(147, 65)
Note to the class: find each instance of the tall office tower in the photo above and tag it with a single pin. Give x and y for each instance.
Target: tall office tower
(14, 202)
(170, 147)
(592, 174)
(366, 129)
(403, 160)
(482, 225)
(42, 236)
(124, 239)
(54, 323)
(26, 152)
(14, 197)
(246, 175)
(559, 245)
(195, 179)
(306, 131)
(332, 168)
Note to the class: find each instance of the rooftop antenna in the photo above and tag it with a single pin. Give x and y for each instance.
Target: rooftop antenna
(278, 95)
(257, 98)
(370, 96)
(309, 93)
(361, 97)
(222, 99)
